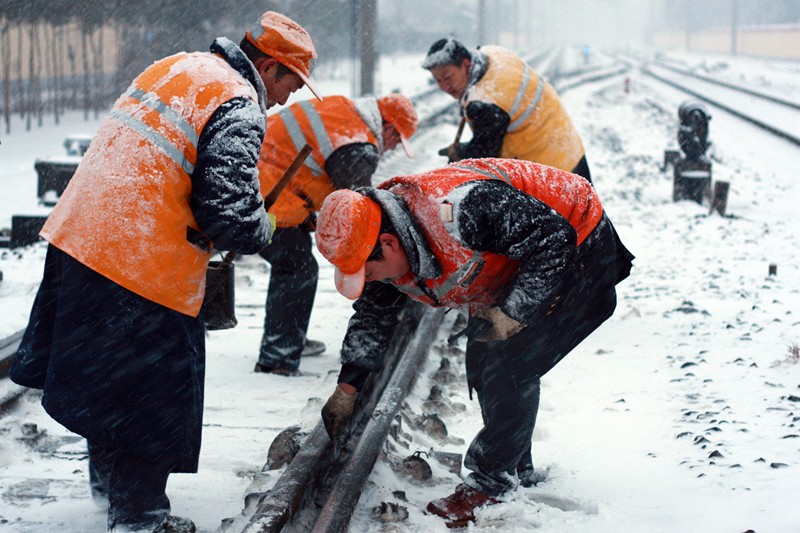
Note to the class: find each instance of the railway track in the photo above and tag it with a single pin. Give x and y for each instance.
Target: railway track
(777, 116)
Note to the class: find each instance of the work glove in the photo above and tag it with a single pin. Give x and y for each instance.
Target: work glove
(503, 326)
(337, 411)
(451, 153)
(273, 223)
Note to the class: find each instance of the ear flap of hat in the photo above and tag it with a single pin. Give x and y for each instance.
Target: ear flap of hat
(350, 285)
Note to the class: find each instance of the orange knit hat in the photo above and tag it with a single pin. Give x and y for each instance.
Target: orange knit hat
(280, 37)
(399, 111)
(347, 229)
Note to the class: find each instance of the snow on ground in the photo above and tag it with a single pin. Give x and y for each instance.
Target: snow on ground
(678, 414)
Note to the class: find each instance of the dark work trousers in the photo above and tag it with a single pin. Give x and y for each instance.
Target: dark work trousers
(290, 297)
(134, 487)
(506, 374)
(503, 446)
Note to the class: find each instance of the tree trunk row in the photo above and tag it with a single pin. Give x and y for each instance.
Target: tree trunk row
(42, 73)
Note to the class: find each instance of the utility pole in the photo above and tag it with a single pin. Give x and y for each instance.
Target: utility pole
(481, 22)
(368, 19)
(354, 48)
(734, 26)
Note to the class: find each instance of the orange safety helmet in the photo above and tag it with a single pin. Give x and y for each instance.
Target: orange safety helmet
(398, 110)
(348, 227)
(280, 37)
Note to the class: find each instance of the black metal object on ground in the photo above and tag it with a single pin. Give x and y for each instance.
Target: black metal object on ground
(53, 176)
(25, 230)
(719, 198)
(218, 305)
(691, 180)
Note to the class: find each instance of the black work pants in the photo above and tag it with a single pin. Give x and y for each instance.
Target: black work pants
(502, 448)
(134, 487)
(506, 374)
(290, 297)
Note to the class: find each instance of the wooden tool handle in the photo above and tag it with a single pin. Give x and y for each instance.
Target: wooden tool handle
(287, 176)
(461, 124)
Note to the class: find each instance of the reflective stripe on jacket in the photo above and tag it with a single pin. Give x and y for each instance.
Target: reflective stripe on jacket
(325, 126)
(126, 212)
(540, 129)
(470, 277)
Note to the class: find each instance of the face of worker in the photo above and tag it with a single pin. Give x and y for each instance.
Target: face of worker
(391, 138)
(278, 89)
(452, 79)
(394, 263)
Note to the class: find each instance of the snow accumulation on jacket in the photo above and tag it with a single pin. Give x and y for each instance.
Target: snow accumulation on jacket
(222, 200)
(515, 113)
(492, 216)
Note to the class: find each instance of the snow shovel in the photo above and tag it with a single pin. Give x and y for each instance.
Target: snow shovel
(219, 298)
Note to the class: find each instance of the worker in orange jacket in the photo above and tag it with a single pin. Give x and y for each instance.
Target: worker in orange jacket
(116, 337)
(348, 138)
(526, 249)
(513, 112)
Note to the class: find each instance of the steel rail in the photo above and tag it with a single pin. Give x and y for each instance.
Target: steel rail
(734, 86)
(8, 352)
(763, 125)
(319, 461)
(341, 503)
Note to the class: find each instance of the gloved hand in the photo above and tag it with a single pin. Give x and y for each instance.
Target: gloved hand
(503, 326)
(337, 411)
(450, 152)
(273, 224)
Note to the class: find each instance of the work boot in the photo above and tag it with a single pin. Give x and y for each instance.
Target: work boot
(280, 370)
(176, 524)
(312, 348)
(458, 509)
(528, 477)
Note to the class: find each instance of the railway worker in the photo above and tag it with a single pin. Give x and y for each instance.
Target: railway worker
(116, 333)
(513, 111)
(348, 138)
(525, 247)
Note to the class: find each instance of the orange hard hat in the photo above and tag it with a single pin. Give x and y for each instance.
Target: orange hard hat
(398, 110)
(280, 37)
(347, 231)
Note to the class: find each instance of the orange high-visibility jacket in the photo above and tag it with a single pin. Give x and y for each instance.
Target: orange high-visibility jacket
(126, 212)
(540, 129)
(325, 126)
(473, 278)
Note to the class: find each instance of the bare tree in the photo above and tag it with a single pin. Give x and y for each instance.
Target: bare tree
(5, 45)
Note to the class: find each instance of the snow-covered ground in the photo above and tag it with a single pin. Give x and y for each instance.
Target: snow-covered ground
(679, 414)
